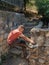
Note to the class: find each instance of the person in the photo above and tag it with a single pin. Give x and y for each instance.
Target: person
(16, 34)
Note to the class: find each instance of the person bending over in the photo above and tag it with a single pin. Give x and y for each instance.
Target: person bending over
(15, 35)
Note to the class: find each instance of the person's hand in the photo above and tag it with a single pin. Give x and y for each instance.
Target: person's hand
(32, 42)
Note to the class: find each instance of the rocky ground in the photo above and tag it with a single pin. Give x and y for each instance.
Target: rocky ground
(15, 61)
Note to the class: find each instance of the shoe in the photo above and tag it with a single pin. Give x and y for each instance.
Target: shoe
(32, 46)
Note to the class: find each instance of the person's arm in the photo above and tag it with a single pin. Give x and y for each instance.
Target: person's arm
(26, 38)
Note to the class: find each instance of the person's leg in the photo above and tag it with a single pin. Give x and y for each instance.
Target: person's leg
(11, 46)
(23, 48)
(21, 43)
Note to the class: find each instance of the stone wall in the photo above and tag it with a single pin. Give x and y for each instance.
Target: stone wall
(39, 55)
(8, 22)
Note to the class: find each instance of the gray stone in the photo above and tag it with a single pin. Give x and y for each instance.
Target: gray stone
(41, 60)
(1, 38)
(10, 24)
(39, 25)
(47, 50)
(5, 35)
(15, 51)
(2, 31)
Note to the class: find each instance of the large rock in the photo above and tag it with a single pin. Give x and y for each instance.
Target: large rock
(41, 36)
(40, 54)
